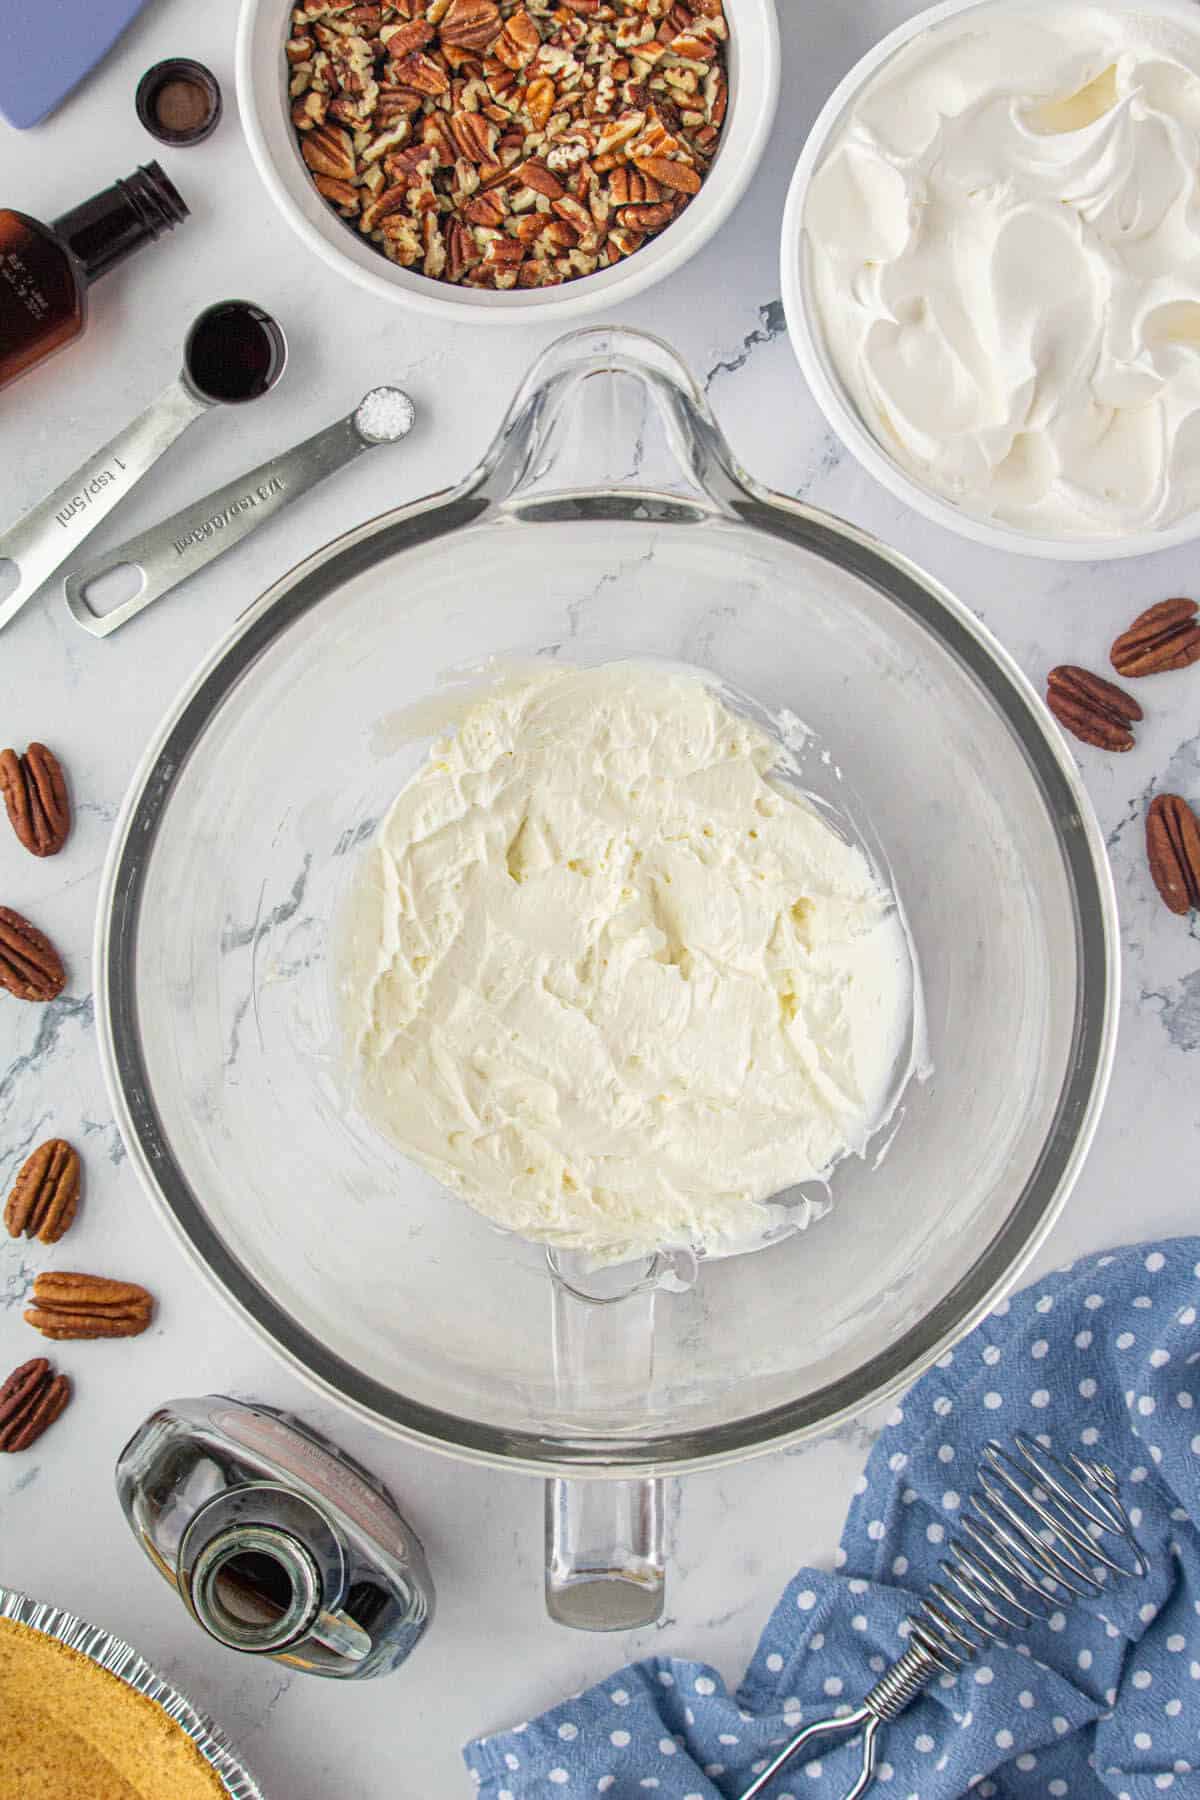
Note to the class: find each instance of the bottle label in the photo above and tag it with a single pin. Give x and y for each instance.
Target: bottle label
(321, 1470)
(17, 275)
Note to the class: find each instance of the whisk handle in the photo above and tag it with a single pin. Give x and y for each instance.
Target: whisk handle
(819, 1731)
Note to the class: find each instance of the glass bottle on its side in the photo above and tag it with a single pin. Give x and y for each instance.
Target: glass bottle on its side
(277, 1543)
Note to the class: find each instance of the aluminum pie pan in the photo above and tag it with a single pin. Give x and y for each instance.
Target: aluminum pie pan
(123, 1661)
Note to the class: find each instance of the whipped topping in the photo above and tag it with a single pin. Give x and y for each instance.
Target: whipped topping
(609, 978)
(1004, 248)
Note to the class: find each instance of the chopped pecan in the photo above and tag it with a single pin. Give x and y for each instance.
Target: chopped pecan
(502, 252)
(310, 111)
(35, 795)
(519, 41)
(629, 187)
(529, 228)
(540, 95)
(462, 252)
(341, 194)
(535, 272)
(400, 40)
(391, 200)
(435, 245)
(1166, 636)
(669, 173)
(693, 46)
(618, 132)
(558, 234)
(485, 209)
(30, 966)
(536, 175)
(30, 1401)
(717, 100)
(1096, 711)
(626, 242)
(414, 160)
(67, 1305)
(402, 241)
(606, 105)
(511, 148)
(574, 214)
(396, 103)
(45, 1195)
(1173, 852)
(472, 136)
(570, 149)
(392, 139)
(422, 73)
(646, 218)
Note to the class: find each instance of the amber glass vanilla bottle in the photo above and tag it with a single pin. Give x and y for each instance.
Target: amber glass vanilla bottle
(46, 270)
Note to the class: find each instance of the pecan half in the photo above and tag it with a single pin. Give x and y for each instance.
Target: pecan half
(471, 24)
(30, 966)
(1173, 852)
(30, 1401)
(1096, 711)
(329, 150)
(35, 794)
(1166, 636)
(347, 199)
(67, 1305)
(45, 1194)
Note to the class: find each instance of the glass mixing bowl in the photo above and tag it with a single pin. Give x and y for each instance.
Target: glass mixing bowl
(608, 519)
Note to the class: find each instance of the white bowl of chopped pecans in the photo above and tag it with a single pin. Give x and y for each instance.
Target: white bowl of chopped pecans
(503, 159)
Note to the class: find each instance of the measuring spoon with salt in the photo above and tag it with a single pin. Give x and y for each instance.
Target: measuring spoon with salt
(170, 553)
(234, 352)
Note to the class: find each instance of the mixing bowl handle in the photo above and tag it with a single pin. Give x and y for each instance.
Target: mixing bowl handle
(604, 1553)
(608, 409)
(604, 1533)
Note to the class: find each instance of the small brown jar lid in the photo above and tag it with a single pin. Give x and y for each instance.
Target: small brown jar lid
(179, 101)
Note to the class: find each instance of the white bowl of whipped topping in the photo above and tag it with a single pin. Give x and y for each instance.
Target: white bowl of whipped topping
(991, 271)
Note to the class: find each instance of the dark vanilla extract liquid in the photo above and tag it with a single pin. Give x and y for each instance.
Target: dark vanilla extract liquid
(235, 352)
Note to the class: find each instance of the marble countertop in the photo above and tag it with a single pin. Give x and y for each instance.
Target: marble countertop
(737, 1534)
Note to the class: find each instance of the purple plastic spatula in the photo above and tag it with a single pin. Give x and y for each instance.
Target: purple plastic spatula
(48, 46)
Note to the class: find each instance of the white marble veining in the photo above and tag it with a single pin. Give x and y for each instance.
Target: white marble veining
(737, 1535)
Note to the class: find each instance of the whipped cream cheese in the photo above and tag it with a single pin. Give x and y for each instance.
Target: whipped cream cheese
(608, 979)
(1004, 253)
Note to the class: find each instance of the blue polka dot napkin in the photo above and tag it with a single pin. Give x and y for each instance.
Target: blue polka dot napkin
(1103, 1698)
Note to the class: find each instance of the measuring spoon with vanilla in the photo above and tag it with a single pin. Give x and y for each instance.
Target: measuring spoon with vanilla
(234, 352)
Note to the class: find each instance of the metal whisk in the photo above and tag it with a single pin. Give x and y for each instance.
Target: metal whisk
(1036, 1528)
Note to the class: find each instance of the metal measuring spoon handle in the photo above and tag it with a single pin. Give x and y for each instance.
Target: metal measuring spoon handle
(171, 552)
(40, 542)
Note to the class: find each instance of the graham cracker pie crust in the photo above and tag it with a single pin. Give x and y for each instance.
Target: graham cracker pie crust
(72, 1731)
